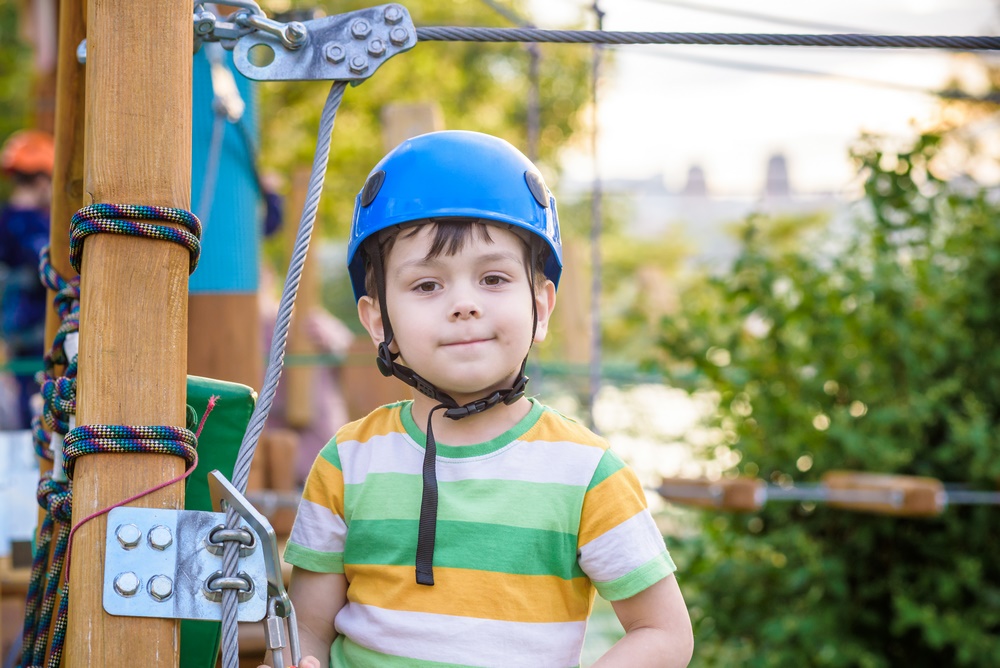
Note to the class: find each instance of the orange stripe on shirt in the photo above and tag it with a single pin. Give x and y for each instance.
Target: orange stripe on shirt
(617, 498)
(472, 593)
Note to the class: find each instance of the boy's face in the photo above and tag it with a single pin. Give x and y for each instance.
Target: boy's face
(462, 321)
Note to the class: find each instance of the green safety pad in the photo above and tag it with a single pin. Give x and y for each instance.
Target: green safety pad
(218, 447)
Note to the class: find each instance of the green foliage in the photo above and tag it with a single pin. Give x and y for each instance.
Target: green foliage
(482, 87)
(17, 67)
(878, 351)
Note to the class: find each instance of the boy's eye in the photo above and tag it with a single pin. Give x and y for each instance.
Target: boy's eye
(426, 286)
(493, 280)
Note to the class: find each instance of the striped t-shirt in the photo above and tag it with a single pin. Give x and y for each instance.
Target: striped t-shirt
(528, 525)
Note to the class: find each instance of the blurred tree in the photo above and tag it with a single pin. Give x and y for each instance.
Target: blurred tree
(17, 72)
(876, 351)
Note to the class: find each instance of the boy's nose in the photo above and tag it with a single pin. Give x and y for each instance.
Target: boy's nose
(465, 309)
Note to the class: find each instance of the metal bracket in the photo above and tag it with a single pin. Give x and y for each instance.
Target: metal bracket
(223, 491)
(279, 606)
(344, 47)
(158, 563)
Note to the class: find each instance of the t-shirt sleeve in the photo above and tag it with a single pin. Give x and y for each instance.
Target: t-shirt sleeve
(619, 546)
(317, 539)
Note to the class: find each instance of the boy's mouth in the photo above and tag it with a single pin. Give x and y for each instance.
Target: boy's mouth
(465, 342)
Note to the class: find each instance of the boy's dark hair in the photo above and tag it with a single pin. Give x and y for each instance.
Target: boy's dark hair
(450, 235)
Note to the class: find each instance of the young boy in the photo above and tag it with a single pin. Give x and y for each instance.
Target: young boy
(472, 525)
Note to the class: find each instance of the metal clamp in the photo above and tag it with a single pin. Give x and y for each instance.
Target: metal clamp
(166, 563)
(279, 606)
(344, 47)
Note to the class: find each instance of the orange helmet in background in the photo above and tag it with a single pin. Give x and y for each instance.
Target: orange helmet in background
(28, 152)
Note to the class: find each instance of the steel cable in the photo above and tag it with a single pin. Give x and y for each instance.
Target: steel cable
(462, 34)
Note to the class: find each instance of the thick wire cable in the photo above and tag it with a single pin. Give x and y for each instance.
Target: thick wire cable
(462, 34)
(241, 470)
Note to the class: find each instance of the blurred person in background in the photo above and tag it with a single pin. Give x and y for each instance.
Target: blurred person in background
(26, 160)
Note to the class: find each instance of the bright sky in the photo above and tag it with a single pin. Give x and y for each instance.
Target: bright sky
(660, 115)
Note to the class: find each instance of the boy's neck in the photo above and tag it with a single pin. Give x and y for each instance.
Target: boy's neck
(477, 428)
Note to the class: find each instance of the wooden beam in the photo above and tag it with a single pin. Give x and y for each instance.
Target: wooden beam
(67, 174)
(298, 380)
(133, 330)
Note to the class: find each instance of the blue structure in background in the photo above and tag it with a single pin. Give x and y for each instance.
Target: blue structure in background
(230, 240)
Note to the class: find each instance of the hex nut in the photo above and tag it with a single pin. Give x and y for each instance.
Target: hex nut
(161, 587)
(335, 53)
(360, 29)
(398, 36)
(128, 535)
(359, 64)
(127, 584)
(393, 14)
(160, 537)
(376, 47)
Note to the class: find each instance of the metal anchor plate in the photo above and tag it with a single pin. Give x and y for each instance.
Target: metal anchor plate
(344, 47)
(157, 562)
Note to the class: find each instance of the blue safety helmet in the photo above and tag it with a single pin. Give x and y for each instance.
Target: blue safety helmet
(454, 173)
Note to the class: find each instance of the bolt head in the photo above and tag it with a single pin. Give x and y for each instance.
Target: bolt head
(398, 36)
(360, 29)
(204, 23)
(128, 535)
(393, 14)
(161, 587)
(160, 537)
(296, 32)
(359, 64)
(376, 48)
(335, 53)
(127, 584)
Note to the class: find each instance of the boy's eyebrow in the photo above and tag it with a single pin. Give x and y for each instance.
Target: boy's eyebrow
(489, 257)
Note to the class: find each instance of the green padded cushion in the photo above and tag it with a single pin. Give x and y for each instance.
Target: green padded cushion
(218, 446)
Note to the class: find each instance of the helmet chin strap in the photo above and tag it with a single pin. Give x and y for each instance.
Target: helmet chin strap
(387, 365)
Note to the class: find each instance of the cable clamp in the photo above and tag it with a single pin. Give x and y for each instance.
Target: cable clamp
(279, 605)
(343, 47)
(168, 564)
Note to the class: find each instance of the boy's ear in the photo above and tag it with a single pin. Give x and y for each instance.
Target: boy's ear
(545, 302)
(370, 316)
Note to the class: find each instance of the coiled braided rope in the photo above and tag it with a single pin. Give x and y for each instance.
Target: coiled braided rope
(92, 439)
(117, 219)
(54, 496)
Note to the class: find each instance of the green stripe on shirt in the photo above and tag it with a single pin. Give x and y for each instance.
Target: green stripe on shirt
(529, 505)
(472, 545)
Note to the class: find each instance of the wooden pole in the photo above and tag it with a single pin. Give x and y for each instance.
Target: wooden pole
(67, 174)
(298, 379)
(133, 330)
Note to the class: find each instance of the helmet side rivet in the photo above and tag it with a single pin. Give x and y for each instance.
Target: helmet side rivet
(537, 188)
(372, 186)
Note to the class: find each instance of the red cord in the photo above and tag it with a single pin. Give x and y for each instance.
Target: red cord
(212, 400)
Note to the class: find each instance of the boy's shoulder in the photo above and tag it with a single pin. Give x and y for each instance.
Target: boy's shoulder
(381, 421)
(554, 425)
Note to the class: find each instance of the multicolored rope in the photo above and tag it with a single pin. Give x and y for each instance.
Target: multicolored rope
(121, 219)
(104, 438)
(55, 498)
